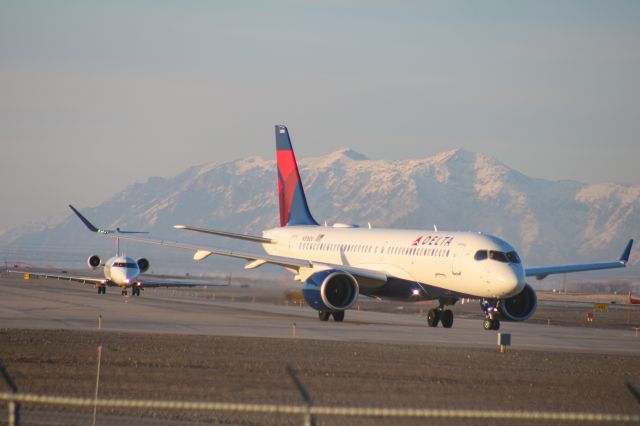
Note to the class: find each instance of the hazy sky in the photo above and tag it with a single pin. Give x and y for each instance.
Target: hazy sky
(97, 95)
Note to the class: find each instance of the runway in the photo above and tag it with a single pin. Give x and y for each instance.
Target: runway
(50, 304)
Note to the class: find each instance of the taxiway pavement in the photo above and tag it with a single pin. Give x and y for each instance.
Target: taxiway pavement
(51, 304)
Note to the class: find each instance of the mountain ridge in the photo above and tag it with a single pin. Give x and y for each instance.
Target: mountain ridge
(548, 221)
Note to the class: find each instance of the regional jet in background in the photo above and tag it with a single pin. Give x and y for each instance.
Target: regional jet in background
(119, 271)
(338, 263)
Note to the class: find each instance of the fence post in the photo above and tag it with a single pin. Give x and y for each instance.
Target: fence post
(95, 399)
(12, 413)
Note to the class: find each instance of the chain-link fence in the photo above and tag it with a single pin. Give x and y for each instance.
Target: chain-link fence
(305, 415)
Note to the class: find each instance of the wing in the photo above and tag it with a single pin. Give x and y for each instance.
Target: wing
(151, 283)
(542, 272)
(83, 280)
(304, 267)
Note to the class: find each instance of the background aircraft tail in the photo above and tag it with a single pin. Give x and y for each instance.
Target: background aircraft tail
(292, 201)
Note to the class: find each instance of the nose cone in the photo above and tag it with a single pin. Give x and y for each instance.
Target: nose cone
(510, 280)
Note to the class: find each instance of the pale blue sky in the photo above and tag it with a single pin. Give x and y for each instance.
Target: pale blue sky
(97, 95)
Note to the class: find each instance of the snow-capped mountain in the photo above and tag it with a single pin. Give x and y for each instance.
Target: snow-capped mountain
(548, 221)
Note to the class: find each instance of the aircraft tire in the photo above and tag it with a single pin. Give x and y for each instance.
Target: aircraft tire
(338, 316)
(446, 318)
(488, 324)
(433, 317)
(496, 324)
(324, 315)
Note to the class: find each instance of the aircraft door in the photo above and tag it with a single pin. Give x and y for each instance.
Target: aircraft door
(293, 244)
(456, 259)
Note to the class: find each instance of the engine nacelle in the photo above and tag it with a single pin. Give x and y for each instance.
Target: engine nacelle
(330, 290)
(94, 261)
(143, 264)
(519, 307)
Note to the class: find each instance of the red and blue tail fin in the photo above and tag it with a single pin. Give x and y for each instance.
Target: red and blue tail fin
(293, 204)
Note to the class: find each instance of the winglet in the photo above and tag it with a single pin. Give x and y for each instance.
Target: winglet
(627, 251)
(92, 227)
(84, 220)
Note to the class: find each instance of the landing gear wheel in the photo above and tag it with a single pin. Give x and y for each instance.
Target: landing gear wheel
(124, 292)
(446, 317)
(338, 316)
(487, 324)
(491, 324)
(324, 315)
(135, 291)
(102, 290)
(433, 317)
(496, 324)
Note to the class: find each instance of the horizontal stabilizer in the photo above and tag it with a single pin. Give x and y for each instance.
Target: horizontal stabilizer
(226, 234)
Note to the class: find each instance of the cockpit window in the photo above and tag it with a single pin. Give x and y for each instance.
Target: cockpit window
(125, 265)
(511, 257)
(499, 256)
(481, 255)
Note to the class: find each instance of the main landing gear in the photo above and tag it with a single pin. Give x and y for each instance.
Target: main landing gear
(124, 291)
(135, 291)
(338, 316)
(102, 289)
(440, 315)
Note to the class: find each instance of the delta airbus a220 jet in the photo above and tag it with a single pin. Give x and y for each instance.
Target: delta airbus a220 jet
(120, 270)
(336, 264)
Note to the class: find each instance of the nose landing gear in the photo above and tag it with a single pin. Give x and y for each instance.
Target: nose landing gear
(491, 321)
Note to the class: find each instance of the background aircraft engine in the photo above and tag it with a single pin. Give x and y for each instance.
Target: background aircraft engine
(143, 264)
(519, 307)
(330, 290)
(94, 261)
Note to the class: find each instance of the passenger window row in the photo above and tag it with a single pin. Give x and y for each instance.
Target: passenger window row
(367, 249)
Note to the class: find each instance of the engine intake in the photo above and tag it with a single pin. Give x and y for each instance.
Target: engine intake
(93, 261)
(330, 290)
(143, 264)
(519, 307)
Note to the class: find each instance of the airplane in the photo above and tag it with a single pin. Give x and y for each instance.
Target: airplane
(119, 271)
(336, 264)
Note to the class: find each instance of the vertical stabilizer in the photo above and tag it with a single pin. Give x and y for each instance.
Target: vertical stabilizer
(292, 201)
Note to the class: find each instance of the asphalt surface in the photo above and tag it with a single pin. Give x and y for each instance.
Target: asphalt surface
(249, 345)
(251, 312)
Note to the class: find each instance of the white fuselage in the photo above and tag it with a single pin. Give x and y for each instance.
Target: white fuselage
(448, 260)
(121, 270)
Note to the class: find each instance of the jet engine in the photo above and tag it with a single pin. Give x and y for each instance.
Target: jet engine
(519, 307)
(94, 261)
(143, 264)
(330, 290)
